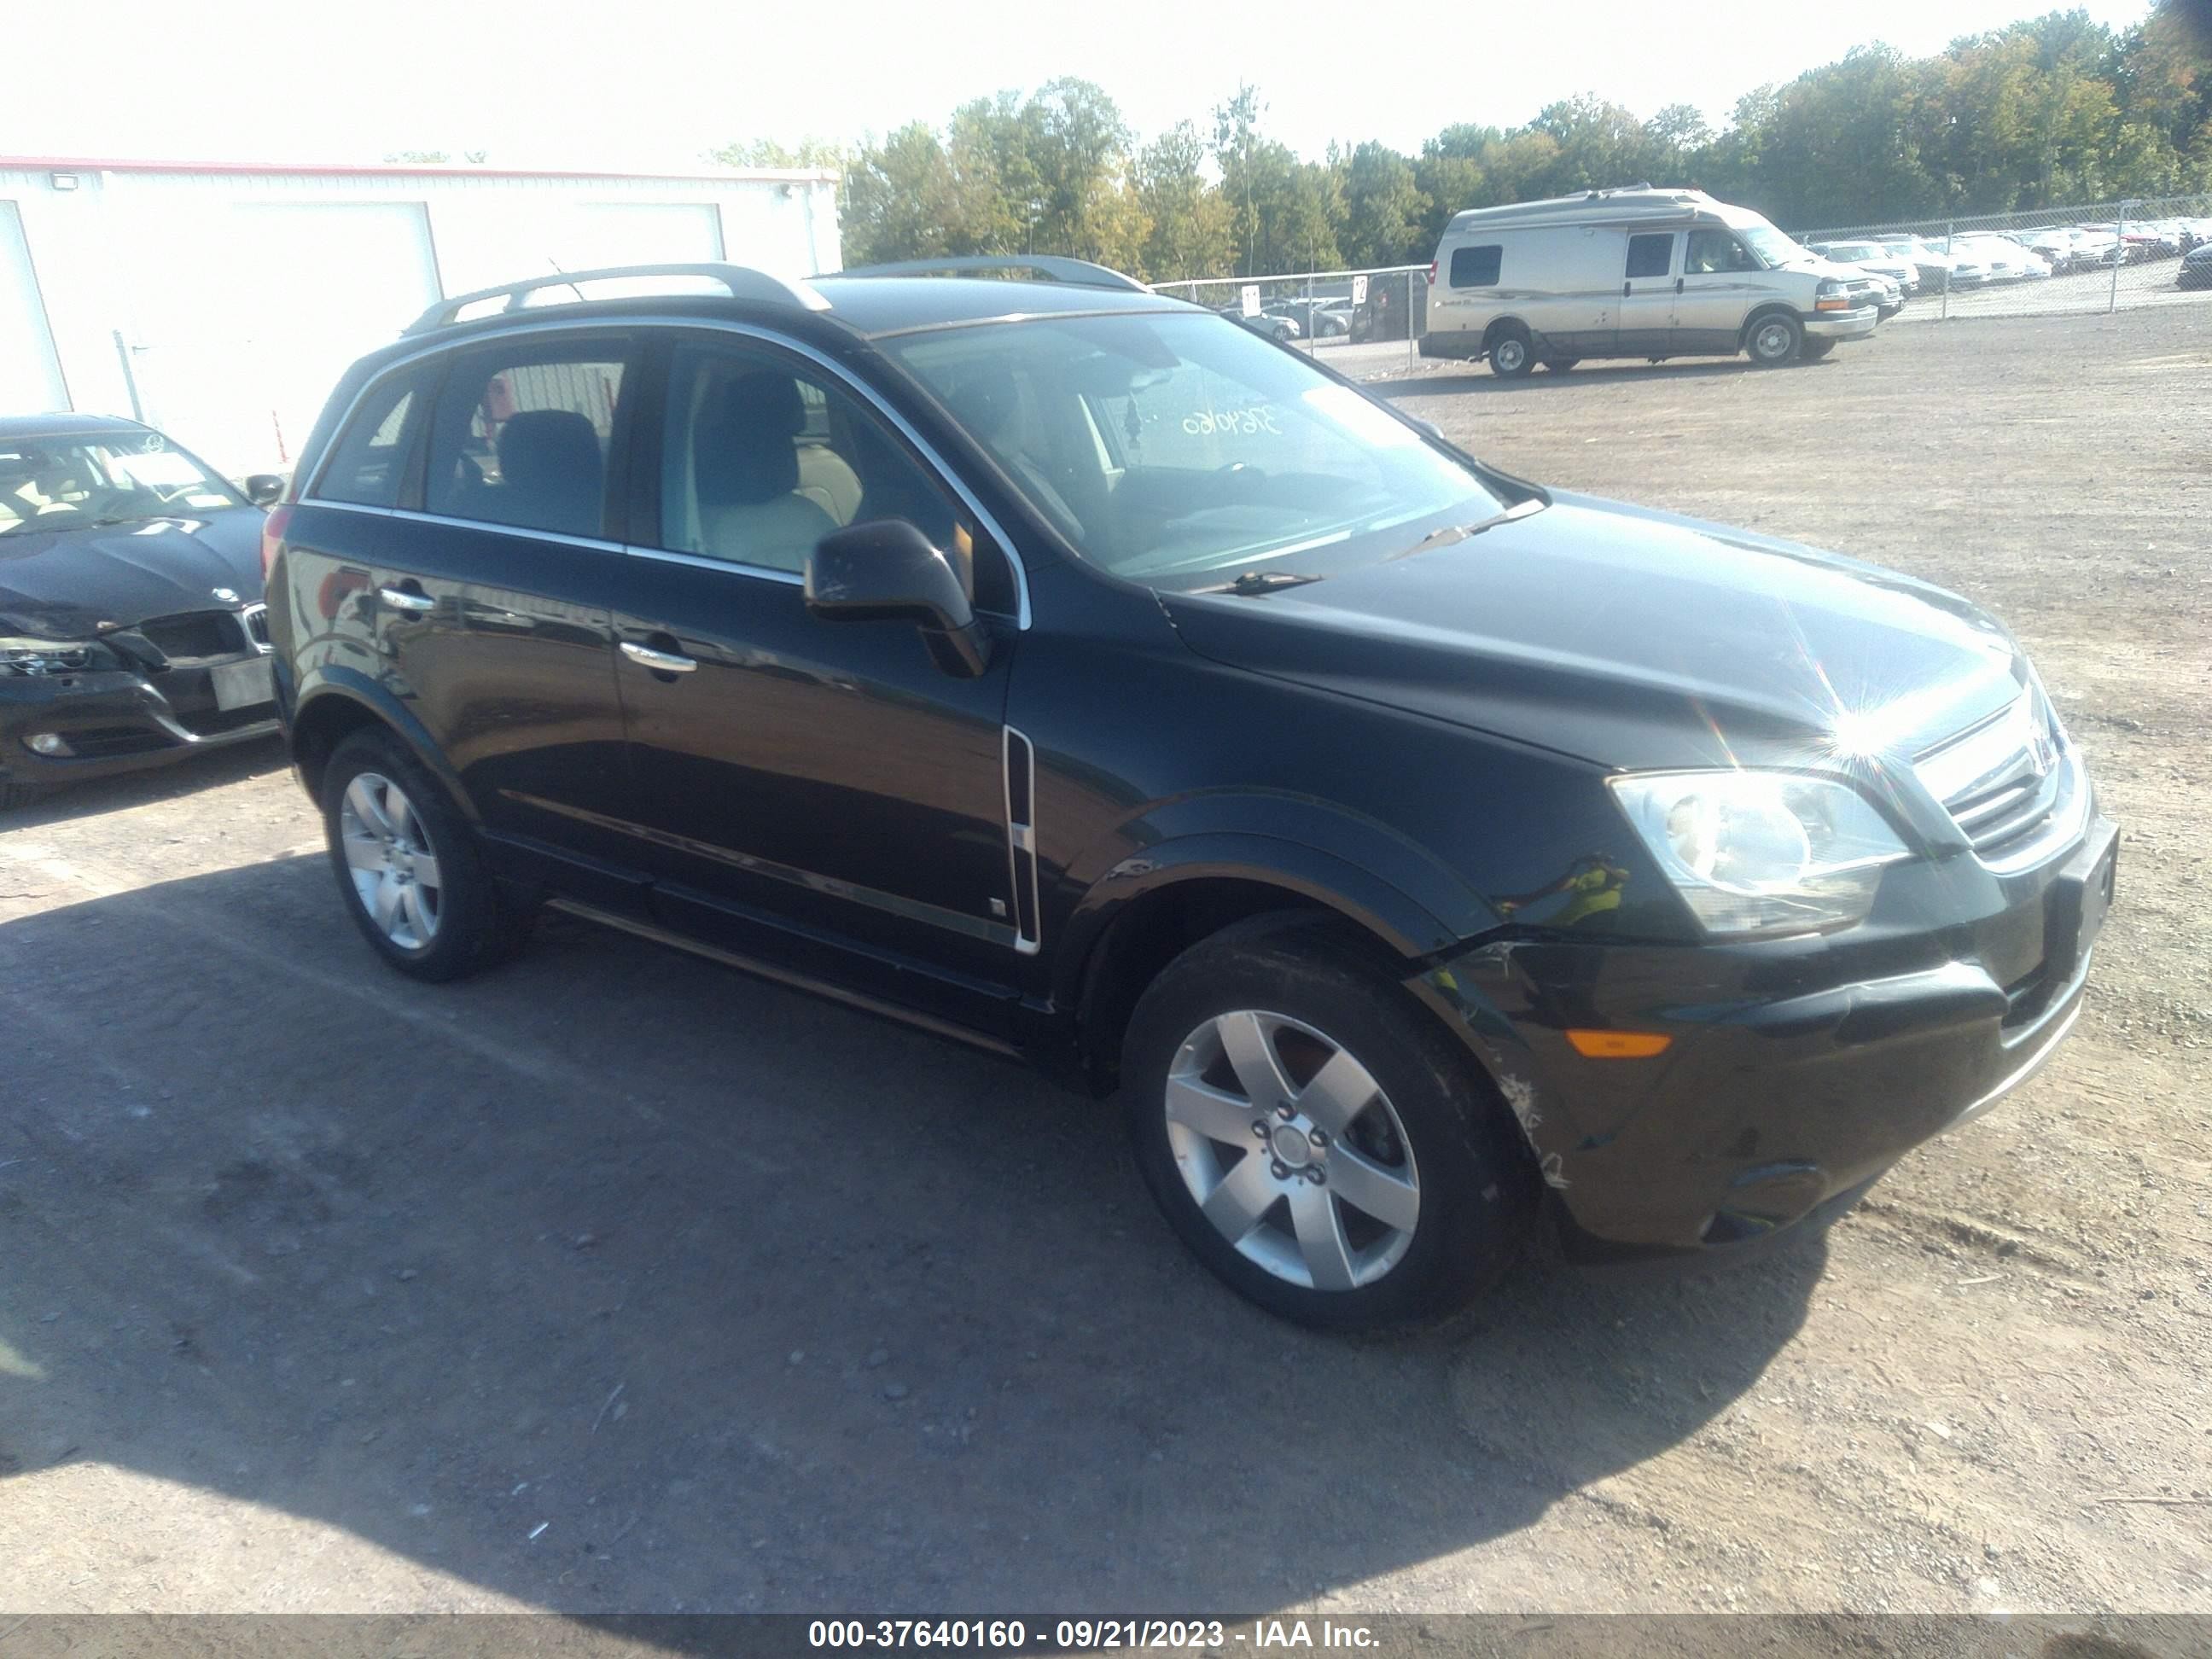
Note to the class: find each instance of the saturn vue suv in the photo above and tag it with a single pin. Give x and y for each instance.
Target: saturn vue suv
(1432, 860)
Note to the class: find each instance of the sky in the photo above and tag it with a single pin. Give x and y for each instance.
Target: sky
(654, 83)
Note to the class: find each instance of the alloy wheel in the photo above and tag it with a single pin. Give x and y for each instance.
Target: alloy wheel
(1291, 1149)
(389, 855)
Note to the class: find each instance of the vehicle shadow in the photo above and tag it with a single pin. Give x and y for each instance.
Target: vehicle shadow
(1414, 388)
(230, 764)
(615, 1281)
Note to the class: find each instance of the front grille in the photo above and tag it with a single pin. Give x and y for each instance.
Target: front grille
(1999, 780)
(256, 618)
(198, 635)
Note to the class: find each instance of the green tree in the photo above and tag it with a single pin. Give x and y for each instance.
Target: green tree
(1187, 228)
(1385, 212)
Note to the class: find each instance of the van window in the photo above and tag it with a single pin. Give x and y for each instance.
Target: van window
(1712, 251)
(1475, 267)
(1651, 255)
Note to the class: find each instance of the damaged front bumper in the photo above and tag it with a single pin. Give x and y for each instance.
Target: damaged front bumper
(1796, 1071)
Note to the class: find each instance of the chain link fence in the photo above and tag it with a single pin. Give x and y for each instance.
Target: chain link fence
(2105, 256)
(1364, 320)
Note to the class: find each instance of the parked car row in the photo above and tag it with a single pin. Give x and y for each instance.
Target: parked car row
(1979, 258)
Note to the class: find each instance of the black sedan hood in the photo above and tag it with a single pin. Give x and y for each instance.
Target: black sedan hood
(1632, 639)
(73, 584)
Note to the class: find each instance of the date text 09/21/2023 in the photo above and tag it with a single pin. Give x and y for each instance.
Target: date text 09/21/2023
(1088, 1635)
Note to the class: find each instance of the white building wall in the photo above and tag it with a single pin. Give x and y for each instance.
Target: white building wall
(239, 296)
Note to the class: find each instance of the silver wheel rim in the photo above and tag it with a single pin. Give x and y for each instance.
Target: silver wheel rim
(1772, 340)
(1291, 1151)
(393, 866)
(1512, 353)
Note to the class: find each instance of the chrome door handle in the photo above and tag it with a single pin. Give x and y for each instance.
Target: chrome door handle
(662, 662)
(400, 599)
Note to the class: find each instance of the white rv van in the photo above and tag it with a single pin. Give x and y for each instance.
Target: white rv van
(1636, 272)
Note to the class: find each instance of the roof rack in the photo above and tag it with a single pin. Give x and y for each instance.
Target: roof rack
(1051, 266)
(742, 281)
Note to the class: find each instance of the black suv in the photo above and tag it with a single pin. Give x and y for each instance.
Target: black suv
(1427, 855)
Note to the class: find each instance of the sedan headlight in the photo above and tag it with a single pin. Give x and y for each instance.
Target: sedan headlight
(33, 657)
(1762, 852)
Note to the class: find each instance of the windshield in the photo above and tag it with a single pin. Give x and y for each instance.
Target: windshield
(1772, 247)
(80, 481)
(1174, 450)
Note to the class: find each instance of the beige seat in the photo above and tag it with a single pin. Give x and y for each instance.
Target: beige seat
(746, 462)
(825, 479)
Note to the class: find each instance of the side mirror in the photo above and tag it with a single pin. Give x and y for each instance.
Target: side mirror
(886, 570)
(264, 488)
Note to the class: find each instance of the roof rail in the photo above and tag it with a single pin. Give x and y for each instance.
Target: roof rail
(743, 281)
(1051, 266)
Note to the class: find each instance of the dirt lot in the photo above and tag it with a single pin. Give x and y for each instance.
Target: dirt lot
(618, 1281)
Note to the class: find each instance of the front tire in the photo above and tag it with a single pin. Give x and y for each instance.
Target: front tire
(410, 869)
(1512, 356)
(1390, 1187)
(1774, 340)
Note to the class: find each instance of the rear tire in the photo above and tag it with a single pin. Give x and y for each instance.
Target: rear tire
(1511, 356)
(410, 869)
(1812, 351)
(1393, 1187)
(1774, 340)
(1560, 365)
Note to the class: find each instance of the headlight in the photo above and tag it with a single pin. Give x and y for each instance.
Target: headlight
(29, 657)
(1762, 852)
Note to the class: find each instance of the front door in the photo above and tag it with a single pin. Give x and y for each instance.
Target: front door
(1722, 280)
(1647, 294)
(820, 794)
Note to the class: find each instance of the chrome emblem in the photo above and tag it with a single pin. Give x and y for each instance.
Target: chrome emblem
(227, 595)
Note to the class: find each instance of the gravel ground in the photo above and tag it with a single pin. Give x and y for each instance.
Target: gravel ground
(615, 1281)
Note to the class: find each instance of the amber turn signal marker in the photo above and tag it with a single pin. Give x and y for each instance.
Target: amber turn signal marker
(1618, 1045)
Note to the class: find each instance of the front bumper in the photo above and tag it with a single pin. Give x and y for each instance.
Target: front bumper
(1854, 324)
(1796, 1071)
(119, 721)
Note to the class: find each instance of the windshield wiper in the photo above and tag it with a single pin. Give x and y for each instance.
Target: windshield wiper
(1459, 532)
(1248, 582)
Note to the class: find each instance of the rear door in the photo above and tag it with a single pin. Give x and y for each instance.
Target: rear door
(477, 562)
(1651, 276)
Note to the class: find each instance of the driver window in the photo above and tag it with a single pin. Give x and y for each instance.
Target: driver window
(762, 457)
(1712, 251)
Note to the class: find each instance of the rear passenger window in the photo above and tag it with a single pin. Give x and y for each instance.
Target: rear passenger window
(521, 437)
(1475, 267)
(370, 458)
(1651, 255)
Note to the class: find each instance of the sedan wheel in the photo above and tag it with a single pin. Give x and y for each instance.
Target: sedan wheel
(1291, 1151)
(393, 865)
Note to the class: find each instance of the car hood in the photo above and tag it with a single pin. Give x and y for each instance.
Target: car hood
(1632, 639)
(73, 584)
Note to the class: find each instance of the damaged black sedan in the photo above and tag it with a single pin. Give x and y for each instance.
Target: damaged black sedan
(132, 630)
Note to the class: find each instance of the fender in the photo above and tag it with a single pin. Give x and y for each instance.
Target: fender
(1354, 865)
(356, 687)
